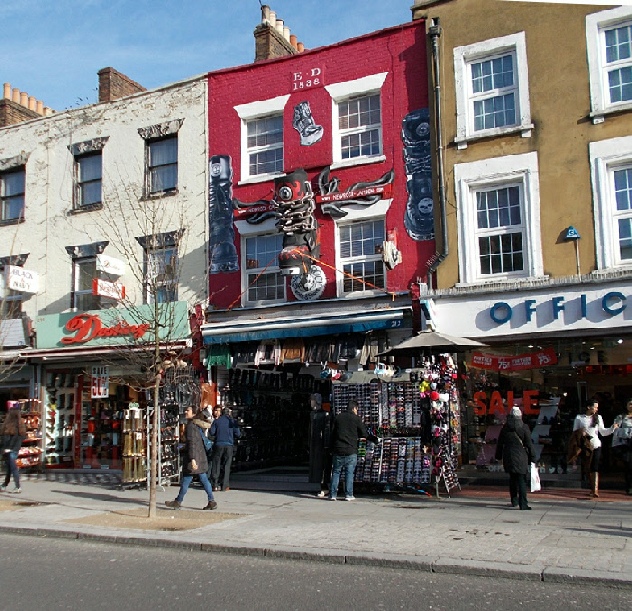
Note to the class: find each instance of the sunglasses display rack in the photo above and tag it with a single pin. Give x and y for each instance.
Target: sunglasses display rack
(416, 417)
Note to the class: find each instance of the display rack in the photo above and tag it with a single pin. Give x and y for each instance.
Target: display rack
(60, 420)
(30, 454)
(134, 445)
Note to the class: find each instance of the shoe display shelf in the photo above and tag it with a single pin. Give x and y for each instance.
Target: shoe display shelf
(59, 415)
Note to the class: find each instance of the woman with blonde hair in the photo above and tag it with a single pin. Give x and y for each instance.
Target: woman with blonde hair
(13, 433)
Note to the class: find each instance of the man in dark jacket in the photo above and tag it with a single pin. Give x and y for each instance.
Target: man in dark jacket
(515, 448)
(346, 430)
(224, 430)
(194, 460)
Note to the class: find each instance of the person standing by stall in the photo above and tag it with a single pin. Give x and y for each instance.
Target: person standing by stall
(224, 431)
(194, 460)
(12, 434)
(592, 423)
(346, 430)
(319, 442)
(622, 443)
(515, 448)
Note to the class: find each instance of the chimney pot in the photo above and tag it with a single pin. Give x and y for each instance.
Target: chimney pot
(300, 47)
(286, 33)
(24, 99)
(39, 107)
(279, 26)
(7, 91)
(293, 40)
(32, 103)
(265, 14)
(16, 95)
(272, 19)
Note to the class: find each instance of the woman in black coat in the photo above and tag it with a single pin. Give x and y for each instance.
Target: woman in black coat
(194, 459)
(515, 448)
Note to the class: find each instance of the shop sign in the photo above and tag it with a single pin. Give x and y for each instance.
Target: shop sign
(382, 190)
(307, 79)
(496, 405)
(529, 360)
(100, 382)
(20, 279)
(86, 327)
(260, 208)
(612, 303)
(110, 265)
(112, 290)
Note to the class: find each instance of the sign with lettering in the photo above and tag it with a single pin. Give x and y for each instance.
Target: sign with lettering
(384, 191)
(20, 279)
(86, 327)
(531, 360)
(307, 79)
(110, 265)
(113, 290)
(100, 382)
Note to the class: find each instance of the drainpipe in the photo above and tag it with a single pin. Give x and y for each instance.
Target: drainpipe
(435, 32)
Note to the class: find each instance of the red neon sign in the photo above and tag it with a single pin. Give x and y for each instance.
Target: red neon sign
(87, 327)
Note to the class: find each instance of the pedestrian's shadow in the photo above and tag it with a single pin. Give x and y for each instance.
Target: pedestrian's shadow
(106, 498)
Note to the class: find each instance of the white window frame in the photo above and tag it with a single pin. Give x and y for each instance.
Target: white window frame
(248, 231)
(152, 190)
(151, 285)
(607, 156)
(250, 112)
(596, 25)
(18, 196)
(521, 170)
(377, 214)
(79, 184)
(514, 44)
(80, 293)
(341, 92)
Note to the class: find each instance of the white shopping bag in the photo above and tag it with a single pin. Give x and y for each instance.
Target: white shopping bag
(535, 478)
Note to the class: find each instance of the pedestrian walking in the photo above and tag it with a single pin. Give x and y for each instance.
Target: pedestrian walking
(346, 430)
(12, 434)
(224, 431)
(194, 459)
(592, 423)
(622, 443)
(515, 449)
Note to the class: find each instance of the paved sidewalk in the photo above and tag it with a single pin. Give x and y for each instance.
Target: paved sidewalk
(565, 537)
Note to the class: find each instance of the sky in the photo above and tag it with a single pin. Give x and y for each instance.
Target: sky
(53, 49)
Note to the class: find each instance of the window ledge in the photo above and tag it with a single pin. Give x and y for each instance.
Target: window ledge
(345, 163)
(88, 208)
(624, 270)
(524, 130)
(161, 195)
(600, 116)
(12, 221)
(251, 180)
(503, 282)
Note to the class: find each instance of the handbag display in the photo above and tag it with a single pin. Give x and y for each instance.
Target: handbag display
(535, 478)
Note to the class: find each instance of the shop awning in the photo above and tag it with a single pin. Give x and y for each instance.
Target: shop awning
(268, 326)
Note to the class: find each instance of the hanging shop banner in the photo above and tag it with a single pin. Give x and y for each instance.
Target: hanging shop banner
(529, 360)
(110, 265)
(100, 382)
(103, 288)
(20, 279)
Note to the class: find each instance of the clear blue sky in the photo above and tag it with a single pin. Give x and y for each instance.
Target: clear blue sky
(53, 49)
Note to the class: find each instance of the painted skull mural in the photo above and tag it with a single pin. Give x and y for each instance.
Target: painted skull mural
(419, 217)
(222, 251)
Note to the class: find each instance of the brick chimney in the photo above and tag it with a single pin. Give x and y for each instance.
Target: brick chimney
(273, 38)
(114, 85)
(17, 106)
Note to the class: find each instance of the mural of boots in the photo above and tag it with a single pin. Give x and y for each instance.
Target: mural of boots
(222, 251)
(419, 218)
(295, 208)
(304, 124)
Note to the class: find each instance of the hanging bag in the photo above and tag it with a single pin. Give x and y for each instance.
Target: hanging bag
(208, 444)
(535, 478)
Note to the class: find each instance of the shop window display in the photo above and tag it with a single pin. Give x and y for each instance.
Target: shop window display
(30, 454)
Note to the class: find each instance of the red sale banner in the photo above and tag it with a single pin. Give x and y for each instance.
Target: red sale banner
(530, 360)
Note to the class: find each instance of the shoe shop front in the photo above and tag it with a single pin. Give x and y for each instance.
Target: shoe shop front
(96, 371)
(267, 365)
(548, 349)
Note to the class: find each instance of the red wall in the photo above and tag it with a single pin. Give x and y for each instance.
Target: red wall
(399, 51)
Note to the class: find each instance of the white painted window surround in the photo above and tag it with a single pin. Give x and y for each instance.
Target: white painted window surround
(340, 92)
(464, 57)
(470, 178)
(606, 157)
(248, 112)
(596, 25)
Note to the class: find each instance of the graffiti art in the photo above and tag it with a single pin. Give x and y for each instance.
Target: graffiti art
(419, 217)
(333, 200)
(304, 124)
(222, 251)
